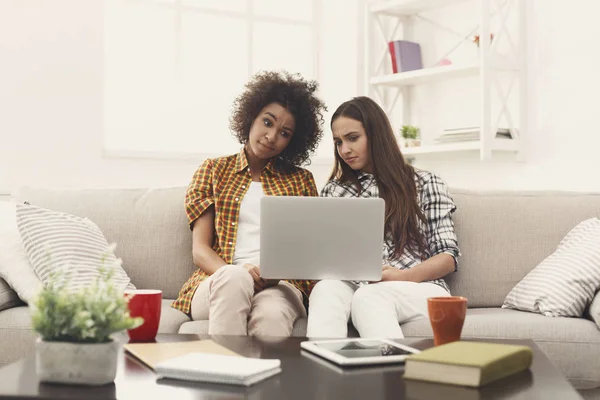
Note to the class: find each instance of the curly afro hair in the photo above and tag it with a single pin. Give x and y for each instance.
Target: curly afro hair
(295, 94)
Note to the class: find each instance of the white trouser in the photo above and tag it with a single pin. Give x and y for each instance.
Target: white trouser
(377, 309)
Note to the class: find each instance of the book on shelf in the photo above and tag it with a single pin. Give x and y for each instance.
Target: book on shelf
(465, 363)
(469, 134)
(218, 368)
(405, 55)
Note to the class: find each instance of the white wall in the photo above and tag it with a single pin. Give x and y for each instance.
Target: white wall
(51, 100)
(51, 115)
(51, 104)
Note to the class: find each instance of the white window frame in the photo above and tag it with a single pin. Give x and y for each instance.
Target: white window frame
(251, 19)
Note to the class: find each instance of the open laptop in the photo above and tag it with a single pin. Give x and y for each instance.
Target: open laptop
(321, 238)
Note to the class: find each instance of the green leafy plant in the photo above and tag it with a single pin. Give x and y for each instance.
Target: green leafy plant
(410, 132)
(90, 315)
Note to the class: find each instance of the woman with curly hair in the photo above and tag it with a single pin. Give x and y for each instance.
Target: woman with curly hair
(278, 120)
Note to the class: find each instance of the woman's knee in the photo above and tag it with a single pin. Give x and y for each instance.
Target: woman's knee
(233, 275)
(270, 321)
(327, 287)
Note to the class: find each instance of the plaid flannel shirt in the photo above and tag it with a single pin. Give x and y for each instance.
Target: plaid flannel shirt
(223, 182)
(437, 206)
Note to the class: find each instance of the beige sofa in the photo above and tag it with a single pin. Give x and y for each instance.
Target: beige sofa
(502, 237)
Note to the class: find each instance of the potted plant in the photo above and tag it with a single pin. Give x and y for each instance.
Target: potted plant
(411, 135)
(75, 344)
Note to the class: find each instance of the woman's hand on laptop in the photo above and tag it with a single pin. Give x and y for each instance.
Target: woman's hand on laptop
(254, 271)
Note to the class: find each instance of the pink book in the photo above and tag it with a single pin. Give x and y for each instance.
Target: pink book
(393, 55)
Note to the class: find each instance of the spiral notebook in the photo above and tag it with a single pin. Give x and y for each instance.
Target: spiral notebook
(216, 368)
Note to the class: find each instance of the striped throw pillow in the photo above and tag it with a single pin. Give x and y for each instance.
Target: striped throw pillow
(56, 241)
(566, 281)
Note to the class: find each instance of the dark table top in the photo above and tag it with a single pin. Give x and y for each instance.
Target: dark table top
(304, 376)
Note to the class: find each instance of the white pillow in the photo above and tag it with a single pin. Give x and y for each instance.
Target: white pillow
(56, 241)
(15, 268)
(566, 281)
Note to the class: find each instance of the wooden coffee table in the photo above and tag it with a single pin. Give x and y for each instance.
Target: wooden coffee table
(303, 377)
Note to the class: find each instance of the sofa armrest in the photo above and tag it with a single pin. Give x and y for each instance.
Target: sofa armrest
(594, 310)
(8, 297)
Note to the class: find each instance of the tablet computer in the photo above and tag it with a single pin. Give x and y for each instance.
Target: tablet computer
(359, 351)
(351, 370)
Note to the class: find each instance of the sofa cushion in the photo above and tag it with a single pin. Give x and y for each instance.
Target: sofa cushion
(594, 310)
(17, 338)
(170, 318)
(564, 283)
(572, 344)
(8, 297)
(504, 235)
(199, 327)
(15, 268)
(149, 227)
(58, 242)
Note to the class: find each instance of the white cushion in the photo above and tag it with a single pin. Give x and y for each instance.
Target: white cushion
(15, 268)
(56, 241)
(565, 282)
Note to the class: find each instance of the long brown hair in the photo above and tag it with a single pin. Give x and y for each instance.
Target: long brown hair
(395, 178)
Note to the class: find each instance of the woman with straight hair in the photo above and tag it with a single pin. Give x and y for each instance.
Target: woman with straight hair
(420, 246)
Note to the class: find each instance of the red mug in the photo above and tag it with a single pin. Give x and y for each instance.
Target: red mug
(447, 316)
(145, 303)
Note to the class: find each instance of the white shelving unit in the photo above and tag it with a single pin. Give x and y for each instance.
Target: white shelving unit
(402, 8)
(426, 75)
(388, 88)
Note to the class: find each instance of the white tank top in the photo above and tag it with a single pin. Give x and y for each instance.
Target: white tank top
(247, 244)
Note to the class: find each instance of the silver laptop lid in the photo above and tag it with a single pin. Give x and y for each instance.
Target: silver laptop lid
(321, 238)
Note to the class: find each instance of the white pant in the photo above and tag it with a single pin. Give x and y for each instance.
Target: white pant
(377, 309)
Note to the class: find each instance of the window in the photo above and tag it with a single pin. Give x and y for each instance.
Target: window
(172, 68)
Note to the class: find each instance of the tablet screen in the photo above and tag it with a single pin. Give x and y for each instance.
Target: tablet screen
(363, 348)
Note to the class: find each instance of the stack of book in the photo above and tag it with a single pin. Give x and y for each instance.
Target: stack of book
(468, 134)
(216, 368)
(405, 55)
(203, 361)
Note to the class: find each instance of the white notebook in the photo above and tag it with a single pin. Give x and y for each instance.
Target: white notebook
(216, 368)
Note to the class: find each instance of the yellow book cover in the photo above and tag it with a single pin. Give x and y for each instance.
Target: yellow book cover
(467, 363)
(154, 353)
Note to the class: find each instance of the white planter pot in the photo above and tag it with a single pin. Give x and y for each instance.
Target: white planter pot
(412, 142)
(76, 363)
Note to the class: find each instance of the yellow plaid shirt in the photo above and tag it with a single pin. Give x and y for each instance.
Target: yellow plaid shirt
(223, 182)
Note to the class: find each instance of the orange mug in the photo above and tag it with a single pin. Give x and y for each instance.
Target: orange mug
(145, 303)
(447, 316)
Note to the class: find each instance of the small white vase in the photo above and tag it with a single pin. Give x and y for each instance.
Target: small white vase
(412, 142)
(76, 363)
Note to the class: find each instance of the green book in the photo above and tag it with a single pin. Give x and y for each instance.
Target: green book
(468, 363)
